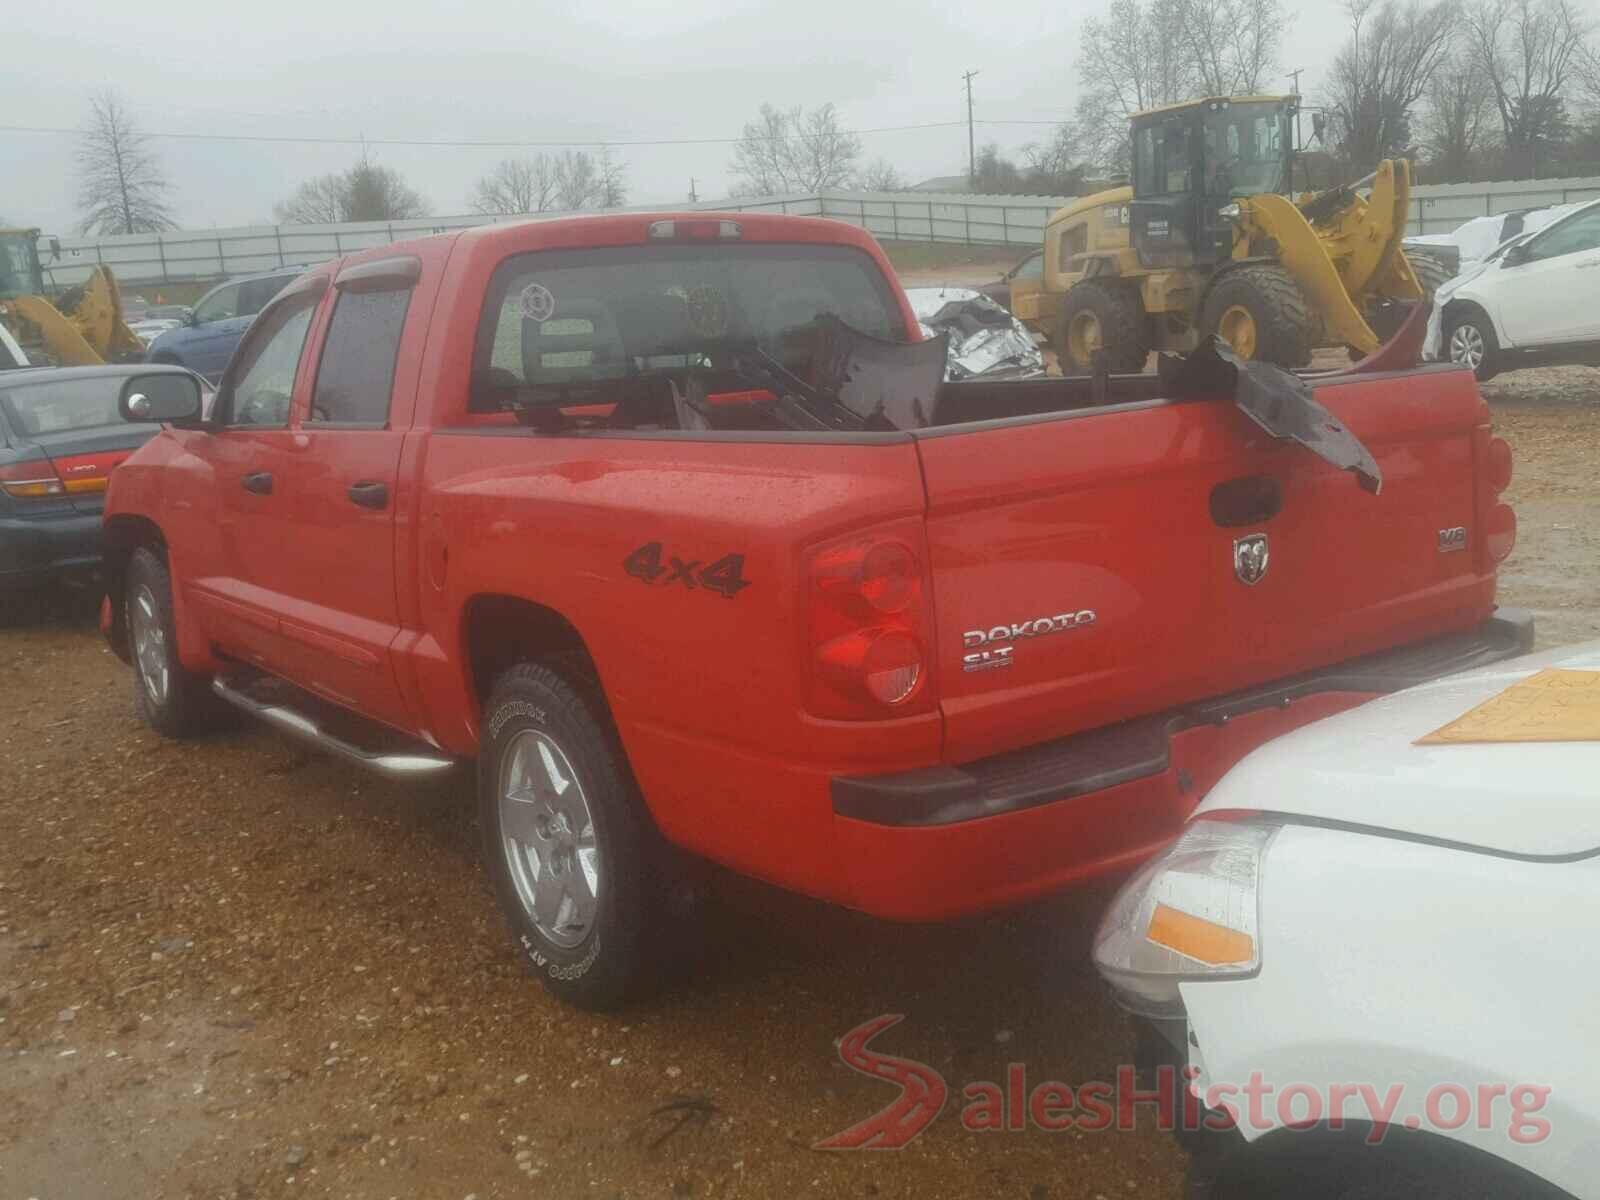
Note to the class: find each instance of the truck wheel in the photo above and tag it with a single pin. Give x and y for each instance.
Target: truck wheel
(1470, 342)
(173, 701)
(576, 863)
(1261, 312)
(1099, 316)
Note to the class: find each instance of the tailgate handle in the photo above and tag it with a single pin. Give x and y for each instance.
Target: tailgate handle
(1248, 500)
(259, 482)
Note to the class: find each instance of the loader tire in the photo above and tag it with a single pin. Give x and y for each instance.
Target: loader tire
(1261, 312)
(1431, 273)
(1106, 317)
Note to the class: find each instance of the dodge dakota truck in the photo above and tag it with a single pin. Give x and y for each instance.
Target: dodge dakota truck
(659, 519)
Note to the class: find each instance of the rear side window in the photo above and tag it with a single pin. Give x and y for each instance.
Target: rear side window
(356, 373)
(62, 406)
(255, 293)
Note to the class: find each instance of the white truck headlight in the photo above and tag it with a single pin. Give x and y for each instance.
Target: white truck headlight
(1191, 913)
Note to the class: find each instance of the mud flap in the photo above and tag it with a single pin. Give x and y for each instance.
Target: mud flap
(1277, 400)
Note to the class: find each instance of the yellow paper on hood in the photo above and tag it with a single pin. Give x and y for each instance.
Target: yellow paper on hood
(1551, 706)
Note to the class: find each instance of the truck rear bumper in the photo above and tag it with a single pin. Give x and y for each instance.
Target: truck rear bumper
(943, 841)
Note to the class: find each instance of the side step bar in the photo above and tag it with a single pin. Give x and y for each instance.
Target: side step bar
(405, 765)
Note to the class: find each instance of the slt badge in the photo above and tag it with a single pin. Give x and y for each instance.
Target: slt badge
(1250, 555)
(1002, 656)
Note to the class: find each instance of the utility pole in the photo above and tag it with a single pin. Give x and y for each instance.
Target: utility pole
(1294, 151)
(972, 144)
(694, 197)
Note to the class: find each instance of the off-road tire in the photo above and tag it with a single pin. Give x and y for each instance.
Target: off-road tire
(1286, 328)
(636, 912)
(186, 706)
(1124, 333)
(1475, 318)
(1431, 273)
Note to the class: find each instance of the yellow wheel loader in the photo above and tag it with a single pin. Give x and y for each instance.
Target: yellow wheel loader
(1206, 240)
(86, 329)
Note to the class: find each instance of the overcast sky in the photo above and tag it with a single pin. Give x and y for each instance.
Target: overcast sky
(612, 70)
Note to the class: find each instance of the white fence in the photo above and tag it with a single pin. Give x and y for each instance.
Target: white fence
(213, 254)
(1440, 207)
(147, 259)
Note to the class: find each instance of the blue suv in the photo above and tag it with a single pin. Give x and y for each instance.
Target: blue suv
(205, 342)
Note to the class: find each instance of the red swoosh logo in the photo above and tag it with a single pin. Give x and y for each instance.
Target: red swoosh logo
(922, 1092)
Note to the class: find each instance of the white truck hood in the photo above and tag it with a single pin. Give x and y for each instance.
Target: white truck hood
(1363, 768)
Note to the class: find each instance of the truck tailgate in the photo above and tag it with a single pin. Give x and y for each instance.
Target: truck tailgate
(1084, 568)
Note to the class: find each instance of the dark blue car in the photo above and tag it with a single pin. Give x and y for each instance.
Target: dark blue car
(205, 342)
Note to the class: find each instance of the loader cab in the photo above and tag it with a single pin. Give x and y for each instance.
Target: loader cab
(20, 271)
(1190, 161)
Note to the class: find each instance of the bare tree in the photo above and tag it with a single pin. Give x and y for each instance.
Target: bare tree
(795, 151)
(366, 192)
(121, 187)
(577, 180)
(1457, 119)
(611, 188)
(516, 185)
(1382, 71)
(1233, 43)
(1133, 58)
(1056, 167)
(880, 175)
(1528, 51)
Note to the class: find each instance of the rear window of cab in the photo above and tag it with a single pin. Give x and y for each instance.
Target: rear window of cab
(572, 318)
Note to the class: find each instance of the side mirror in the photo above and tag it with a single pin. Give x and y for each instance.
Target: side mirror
(168, 396)
(1518, 255)
(190, 319)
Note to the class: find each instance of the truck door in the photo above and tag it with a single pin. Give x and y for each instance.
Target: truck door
(241, 485)
(336, 575)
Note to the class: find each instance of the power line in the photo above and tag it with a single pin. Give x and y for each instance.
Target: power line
(445, 143)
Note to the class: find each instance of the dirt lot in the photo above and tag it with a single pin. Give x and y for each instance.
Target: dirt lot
(234, 969)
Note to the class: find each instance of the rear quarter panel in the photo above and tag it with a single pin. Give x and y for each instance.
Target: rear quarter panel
(707, 691)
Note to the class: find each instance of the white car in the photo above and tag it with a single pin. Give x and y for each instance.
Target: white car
(1401, 935)
(1534, 300)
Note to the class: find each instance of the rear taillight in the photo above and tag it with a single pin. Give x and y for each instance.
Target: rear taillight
(36, 480)
(1499, 521)
(88, 473)
(869, 625)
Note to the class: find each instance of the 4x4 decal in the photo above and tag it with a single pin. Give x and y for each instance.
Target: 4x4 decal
(651, 564)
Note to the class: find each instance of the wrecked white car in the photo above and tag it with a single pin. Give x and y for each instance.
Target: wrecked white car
(984, 339)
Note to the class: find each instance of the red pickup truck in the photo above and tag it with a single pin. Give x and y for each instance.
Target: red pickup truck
(567, 498)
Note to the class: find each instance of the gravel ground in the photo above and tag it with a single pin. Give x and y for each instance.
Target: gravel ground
(235, 969)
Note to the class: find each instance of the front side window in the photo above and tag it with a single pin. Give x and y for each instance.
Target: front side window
(220, 305)
(356, 373)
(563, 319)
(1030, 268)
(1572, 236)
(263, 375)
